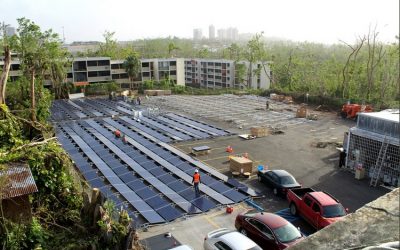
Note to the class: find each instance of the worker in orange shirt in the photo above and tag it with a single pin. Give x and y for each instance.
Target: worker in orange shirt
(196, 181)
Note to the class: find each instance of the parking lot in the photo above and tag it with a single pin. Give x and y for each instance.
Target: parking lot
(294, 150)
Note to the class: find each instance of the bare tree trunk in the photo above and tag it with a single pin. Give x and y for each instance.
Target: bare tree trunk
(33, 101)
(4, 74)
(345, 71)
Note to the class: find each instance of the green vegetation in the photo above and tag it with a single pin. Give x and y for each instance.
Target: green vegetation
(367, 71)
(58, 220)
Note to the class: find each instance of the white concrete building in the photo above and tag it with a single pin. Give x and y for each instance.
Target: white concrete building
(217, 73)
(159, 69)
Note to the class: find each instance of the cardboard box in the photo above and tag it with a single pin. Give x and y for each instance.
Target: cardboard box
(288, 100)
(281, 98)
(360, 173)
(301, 112)
(241, 165)
(259, 131)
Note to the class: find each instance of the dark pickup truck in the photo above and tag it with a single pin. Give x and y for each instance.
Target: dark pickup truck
(320, 209)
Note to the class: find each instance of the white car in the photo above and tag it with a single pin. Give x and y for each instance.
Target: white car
(225, 239)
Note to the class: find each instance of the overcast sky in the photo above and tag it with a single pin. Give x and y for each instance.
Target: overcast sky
(326, 21)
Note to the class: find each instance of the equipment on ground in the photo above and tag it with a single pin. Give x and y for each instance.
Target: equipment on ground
(351, 111)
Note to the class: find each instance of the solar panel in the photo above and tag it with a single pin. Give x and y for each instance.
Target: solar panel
(191, 124)
(169, 213)
(145, 210)
(123, 164)
(220, 198)
(136, 167)
(208, 128)
(173, 132)
(194, 132)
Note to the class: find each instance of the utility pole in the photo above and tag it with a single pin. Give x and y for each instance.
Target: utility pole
(63, 35)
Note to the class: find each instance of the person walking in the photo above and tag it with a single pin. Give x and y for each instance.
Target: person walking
(196, 181)
(138, 100)
(342, 158)
(267, 105)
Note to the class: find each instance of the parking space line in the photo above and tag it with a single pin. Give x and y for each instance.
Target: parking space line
(208, 218)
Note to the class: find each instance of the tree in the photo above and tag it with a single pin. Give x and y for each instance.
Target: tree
(109, 47)
(171, 48)
(203, 53)
(255, 52)
(7, 63)
(37, 52)
(132, 67)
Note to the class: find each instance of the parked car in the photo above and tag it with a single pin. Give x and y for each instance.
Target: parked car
(279, 180)
(270, 231)
(226, 239)
(320, 209)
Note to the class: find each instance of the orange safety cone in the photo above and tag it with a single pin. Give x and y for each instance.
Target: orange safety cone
(229, 149)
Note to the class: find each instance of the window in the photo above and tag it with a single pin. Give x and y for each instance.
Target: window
(261, 227)
(308, 201)
(222, 246)
(316, 208)
(116, 66)
(92, 63)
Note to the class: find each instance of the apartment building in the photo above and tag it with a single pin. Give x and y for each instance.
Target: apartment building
(204, 73)
(87, 69)
(159, 69)
(208, 73)
(216, 73)
(118, 72)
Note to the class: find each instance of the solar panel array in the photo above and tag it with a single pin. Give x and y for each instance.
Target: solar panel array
(143, 174)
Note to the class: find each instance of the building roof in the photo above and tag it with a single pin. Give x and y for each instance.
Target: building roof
(91, 58)
(388, 114)
(18, 181)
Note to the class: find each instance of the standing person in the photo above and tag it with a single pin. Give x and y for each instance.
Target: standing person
(196, 181)
(267, 105)
(138, 100)
(342, 158)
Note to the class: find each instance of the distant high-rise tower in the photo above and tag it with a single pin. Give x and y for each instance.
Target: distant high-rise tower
(222, 34)
(197, 34)
(211, 32)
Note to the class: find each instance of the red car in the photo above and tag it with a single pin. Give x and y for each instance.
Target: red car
(268, 230)
(320, 209)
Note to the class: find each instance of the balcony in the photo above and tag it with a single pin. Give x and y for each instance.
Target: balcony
(99, 79)
(118, 71)
(145, 69)
(98, 68)
(124, 80)
(145, 78)
(172, 67)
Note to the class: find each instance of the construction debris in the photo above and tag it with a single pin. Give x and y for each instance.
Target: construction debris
(259, 131)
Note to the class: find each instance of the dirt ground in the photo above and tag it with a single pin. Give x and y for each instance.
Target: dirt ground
(296, 151)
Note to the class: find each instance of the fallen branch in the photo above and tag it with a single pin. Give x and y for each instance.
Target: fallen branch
(33, 144)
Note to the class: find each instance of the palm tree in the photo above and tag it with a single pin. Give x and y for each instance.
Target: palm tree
(132, 67)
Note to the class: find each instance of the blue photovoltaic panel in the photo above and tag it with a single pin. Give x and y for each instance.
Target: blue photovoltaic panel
(138, 169)
(146, 211)
(214, 130)
(145, 156)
